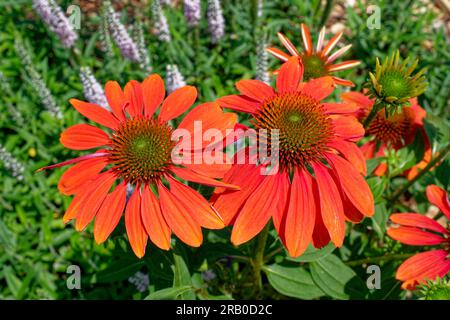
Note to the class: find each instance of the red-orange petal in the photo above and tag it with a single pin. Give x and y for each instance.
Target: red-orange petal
(192, 176)
(353, 184)
(318, 88)
(255, 89)
(414, 236)
(289, 75)
(83, 137)
(439, 198)
(109, 214)
(287, 44)
(133, 94)
(348, 127)
(177, 103)
(340, 108)
(301, 214)
(343, 82)
(256, 211)
(351, 152)
(137, 236)
(331, 208)
(153, 93)
(306, 38)
(239, 103)
(277, 53)
(418, 221)
(420, 264)
(279, 217)
(116, 98)
(95, 113)
(153, 219)
(74, 207)
(178, 218)
(213, 170)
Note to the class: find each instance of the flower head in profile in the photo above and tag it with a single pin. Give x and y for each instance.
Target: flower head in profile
(319, 185)
(393, 83)
(318, 62)
(418, 230)
(395, 131)
(135, 148)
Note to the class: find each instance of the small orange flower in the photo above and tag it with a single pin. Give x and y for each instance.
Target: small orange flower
(136, 149)
(317, 63)
(419, 230)
(320, 181)
(396, 131)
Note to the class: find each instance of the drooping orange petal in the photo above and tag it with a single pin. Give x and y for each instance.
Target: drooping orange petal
(93, 201)
(331, 44)
(418, 221)
(153, 219)
(239, 103)
(421, 263)
(78, 200)
(361, 100)
(287, 44)
(177, 103)
(439, 198)
(137, 236)
(153, 93)
(414, 236)
(353, 184)
(343, 65)
(351, 213)
(80, 173)
(178, 218)
(343, 82)
(133, 94)
(192, 176)
(83, 137)
(289, 76)
(196, 205)
(109, 214)
(213, 170)
(331, 208)
(256, 211)
(340, 108)
(351, 152)
(318, 88)
(306, 38)
(95, 113)
(279, 217)
(348, 127)
(116, 98)
(321, 236)
(255, 89)
(301, 214)
(277, 53)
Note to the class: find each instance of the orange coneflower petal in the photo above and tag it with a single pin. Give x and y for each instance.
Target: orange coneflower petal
(321, 236)
(177, 103)
(153, 219)
(116, 98)
(83, 137)
(418, 221)
(340, 108)
(256, 211)
(279, 216)
(133, 94)
(74, 207)
(137, 236)
(200, 209)
(351, 213)
(239, 103)
(343, 82)
(109, 214)
(414, 236)
(213, 170)
(439, 198)
(318, 88)
(95, 113)
(338, 53)
(178, 218)
(331, 207)
(331, 44)
(351, 152)
(192, 176)
(359, 99)
(153, 92)
(255, 89)
(353, 184)
(287, 44)
(278, 54)
(306, 38)
(422, 264)
(320, 39)
(301, 213)
(289, 76)
(348, 127)
(343, 65)
(93, 201)
(77, 175)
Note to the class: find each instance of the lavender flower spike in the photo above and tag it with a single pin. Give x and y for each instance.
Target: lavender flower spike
(174, 79)
(216, 22)
(11, 164)
(56, 20)
(92, 89)
(192, 12)
(161, 25)
(262, 73)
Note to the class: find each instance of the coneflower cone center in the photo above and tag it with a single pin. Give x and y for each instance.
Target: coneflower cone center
(395, 84)
(141, 150)
(304, 128)
(314, 67)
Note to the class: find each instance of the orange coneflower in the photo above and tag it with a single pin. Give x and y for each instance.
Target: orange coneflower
(419, 230)
(320, 181)
(137, 150)
(396, 131)
(317, 63)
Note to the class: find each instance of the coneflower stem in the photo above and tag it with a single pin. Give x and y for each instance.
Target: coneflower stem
(257, 261)
(440, 156)
(375, 109)
(386, 257)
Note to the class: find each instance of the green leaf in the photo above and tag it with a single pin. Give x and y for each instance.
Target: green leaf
(313, 254)
(169, 293)
(12, 281)
(182, 277)
(377, 185)
(292, 281)
(380, 219)
(336, 279)
(120, 270)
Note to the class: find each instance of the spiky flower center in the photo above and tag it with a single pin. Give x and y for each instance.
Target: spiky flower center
(304, 128)
(395, 84)
(141, 150)
(314, 67)
(394, 129)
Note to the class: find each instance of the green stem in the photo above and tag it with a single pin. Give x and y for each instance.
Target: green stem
(257, 261)
(441, 155)
(375, 109)
(375, 260)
